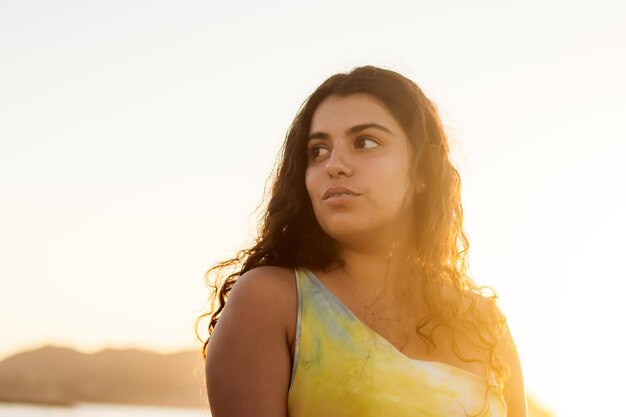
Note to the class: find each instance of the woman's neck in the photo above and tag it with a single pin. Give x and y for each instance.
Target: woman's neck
(370, 272)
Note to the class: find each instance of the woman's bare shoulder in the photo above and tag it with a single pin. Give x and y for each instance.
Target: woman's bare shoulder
(269, 273)
(274, 282)
(275, 288)
(514, 391)
(485, 304)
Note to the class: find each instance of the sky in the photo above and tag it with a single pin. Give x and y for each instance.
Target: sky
(136, 139)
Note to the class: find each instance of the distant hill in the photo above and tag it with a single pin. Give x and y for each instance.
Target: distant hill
(56, 375)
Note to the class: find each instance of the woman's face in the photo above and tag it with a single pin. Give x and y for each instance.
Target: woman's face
(357, 175)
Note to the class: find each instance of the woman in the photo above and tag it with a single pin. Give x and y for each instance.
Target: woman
(355, 299)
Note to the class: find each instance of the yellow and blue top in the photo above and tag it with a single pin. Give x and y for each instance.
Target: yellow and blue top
(344, 368)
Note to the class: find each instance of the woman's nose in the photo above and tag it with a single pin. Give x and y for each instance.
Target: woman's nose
(338, 163)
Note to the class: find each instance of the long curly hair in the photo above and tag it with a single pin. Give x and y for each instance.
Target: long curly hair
(290, 236)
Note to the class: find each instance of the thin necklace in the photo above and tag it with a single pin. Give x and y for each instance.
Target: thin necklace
(367, 306)
(377, 317)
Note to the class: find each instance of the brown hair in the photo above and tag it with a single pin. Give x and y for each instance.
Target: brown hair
(290, 235)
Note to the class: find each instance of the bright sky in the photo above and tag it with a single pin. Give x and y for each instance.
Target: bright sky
(136, 137)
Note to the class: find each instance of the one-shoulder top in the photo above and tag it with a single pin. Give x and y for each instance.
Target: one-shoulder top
(344, 368)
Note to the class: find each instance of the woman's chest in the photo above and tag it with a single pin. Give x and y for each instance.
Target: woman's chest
(342, 370)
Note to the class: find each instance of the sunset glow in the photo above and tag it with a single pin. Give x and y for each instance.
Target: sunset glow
(136, 140)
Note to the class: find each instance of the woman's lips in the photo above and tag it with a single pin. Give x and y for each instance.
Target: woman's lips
(340, 199)
(339, 196)
(338, 192)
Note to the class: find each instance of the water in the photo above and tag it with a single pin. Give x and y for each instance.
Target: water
(97, 410)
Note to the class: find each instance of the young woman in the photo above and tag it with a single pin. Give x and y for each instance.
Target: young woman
(355, 299)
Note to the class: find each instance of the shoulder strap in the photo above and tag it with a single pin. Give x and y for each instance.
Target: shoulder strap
(298, 326)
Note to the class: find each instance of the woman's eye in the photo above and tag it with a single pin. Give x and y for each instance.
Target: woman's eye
(317, 151)
(366, 143)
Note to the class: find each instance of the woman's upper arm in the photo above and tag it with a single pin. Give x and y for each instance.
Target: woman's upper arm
(514, 392)
(248, 365)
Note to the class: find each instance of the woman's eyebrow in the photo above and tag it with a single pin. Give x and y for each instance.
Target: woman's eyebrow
(358, 128)
(351, 131)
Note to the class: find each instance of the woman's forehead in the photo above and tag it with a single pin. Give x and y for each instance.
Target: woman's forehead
(336, 112)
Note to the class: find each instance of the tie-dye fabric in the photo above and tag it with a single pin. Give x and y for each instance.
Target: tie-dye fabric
(344, 368)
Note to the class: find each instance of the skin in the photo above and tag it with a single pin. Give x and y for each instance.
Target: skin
(252, 344)
(356, 143)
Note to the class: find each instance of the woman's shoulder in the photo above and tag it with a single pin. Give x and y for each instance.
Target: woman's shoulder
(271, 289)
(483, 301)
(273, 283)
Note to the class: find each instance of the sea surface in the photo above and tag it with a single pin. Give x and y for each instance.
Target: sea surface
(97, 410)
